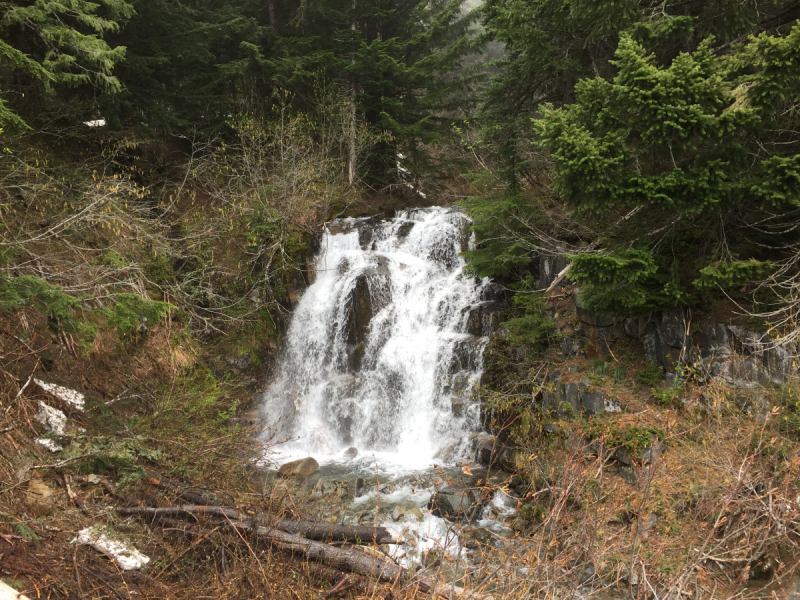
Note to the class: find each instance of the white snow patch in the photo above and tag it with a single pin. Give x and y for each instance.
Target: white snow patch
(54, 420)
(49, 444)
(72, 397)
(9, 593)
(96, 123)
(122, 552)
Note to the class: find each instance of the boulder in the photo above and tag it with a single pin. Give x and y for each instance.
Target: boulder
(404, 229)
(755, 403)
(593, 402)
(304, 467)
(454, 503)
(487, 450)
(553, 396)
(475, 538)
(398, 513)
(351, 452)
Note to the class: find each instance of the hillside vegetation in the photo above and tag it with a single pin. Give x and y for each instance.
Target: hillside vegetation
(633, 175)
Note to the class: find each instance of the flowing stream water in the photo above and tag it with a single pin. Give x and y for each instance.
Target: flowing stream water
(380, 367)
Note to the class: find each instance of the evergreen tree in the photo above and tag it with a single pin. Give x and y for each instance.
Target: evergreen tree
(686, 155)
(59, 43)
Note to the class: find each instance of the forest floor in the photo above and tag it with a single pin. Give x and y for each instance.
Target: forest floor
(172, 409)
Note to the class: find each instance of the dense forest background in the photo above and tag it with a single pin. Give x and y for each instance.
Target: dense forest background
(655, 143)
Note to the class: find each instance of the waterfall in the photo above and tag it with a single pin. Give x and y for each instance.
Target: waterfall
(385, 348)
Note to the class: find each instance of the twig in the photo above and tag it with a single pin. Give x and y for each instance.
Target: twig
(339, 588)
(63, 462)
(20, 392)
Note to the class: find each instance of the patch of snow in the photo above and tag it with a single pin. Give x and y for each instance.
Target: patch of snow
(122, 552)
(9, 593)
(69, 396)
(54, 420)
(612, 406)
(96, 123)
(49, 444)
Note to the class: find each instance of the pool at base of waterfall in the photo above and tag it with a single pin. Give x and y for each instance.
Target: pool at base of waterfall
(478, 516)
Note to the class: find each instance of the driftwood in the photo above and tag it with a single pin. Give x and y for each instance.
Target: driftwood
(321, 532)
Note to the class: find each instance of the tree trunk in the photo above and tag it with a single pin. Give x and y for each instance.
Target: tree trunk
(351, 163)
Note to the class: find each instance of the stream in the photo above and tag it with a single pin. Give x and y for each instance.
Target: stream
(379, 375)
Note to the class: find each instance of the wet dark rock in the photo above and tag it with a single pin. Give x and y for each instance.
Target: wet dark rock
(666, 342)
(405, 229)
(370, 294)
(736, 355)
(455, 503)
(457, 406)
(572, 393)
(549, 268)
(593, 402)
(482, 318)
(553, 396)
(467, 355)
(475, 538)
(487, 449)
(713, 340)
(351, 452)
(569, 345)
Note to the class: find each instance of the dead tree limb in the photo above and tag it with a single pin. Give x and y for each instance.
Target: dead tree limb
(321, 532)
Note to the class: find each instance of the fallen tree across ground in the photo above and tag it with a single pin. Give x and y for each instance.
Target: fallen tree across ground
(349, 559)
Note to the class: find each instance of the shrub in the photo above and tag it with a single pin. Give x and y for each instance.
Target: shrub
(131, 315)
(651, 375)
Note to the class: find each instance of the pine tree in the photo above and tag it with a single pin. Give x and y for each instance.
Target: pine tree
(60, 43)
(685, 152)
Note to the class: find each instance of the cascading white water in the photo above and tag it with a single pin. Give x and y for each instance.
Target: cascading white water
(383, 353)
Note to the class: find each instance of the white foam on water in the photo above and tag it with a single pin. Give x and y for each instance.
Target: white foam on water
(415, 354)
(391, 397)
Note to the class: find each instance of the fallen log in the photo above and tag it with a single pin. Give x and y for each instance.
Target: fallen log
(321, 532)
(355, 561)
(343, 558)
(347, 559)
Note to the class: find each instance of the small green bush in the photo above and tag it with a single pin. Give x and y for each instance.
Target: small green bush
(651, 375)
(132, 315)
(667, 397)
(634, 439)
(531, 324)
(27, 291)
